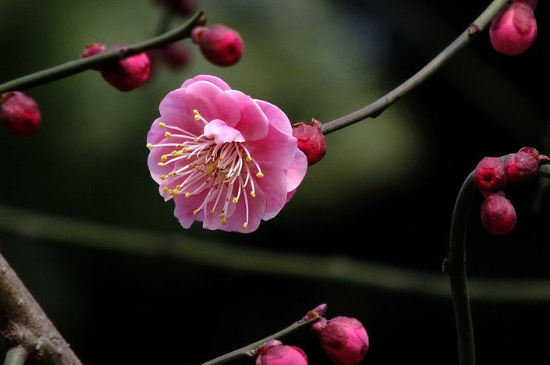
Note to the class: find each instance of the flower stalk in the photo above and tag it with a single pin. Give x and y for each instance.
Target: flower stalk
(73, 67)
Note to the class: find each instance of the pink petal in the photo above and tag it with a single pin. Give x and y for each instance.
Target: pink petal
(212, 103)
(176, 111)
(208, 78)
(297, 171)
(221, 133)
(253, 123)
(276, 116)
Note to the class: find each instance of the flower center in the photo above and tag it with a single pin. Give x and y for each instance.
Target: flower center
(216, 161)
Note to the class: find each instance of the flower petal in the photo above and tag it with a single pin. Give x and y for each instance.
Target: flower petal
(253, 123)
(221, 133)
(209, 78)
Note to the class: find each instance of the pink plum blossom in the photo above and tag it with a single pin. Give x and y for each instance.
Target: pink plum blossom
(226, 160)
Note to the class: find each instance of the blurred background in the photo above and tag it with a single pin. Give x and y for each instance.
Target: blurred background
(82, 223)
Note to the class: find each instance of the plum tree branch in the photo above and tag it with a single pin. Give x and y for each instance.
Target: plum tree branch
(376, 108)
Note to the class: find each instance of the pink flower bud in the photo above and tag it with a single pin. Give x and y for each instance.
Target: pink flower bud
(522, 167)
(514, 29)
(344, 339)
(275, 353)
(490, 175)
(498, 215)
(310, 140)
(19, 113)
(219, 44)
(128, 73)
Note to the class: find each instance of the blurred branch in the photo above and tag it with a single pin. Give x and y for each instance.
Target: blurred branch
(379, 106)
(24, 327)
(80, 65)
(305, 266)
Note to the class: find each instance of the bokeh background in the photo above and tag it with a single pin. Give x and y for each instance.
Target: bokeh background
(82, 223)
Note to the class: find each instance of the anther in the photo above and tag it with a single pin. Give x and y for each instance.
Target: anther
(167, 134)
(149, 145)
(259, 175)
(162, 125)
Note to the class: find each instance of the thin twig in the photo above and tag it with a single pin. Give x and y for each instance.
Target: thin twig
(379, 106)
(80, 65)
(249, 350)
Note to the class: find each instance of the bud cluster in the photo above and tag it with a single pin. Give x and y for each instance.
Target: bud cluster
(344, 340)
(491, 176)
(514, 29)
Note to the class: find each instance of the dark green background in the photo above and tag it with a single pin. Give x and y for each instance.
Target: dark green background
(384, 193)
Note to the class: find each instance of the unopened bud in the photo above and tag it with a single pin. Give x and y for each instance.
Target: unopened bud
(522, 166)
(344, 339)
(310, 140)
(92, 50)
(275, 353)
(514, 29)
(490, 174)
(219, 44)
(498, 215)
(19, 113)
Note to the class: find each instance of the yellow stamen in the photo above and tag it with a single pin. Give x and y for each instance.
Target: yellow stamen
(245, 225)
(187, 195)
(160, 164)
(162, 125)
(149, 145)
(259, 175)
(195, 212)
(197, 115)
(167, 134)
(162, 177)
(223, 222)
(163, 158)
(235, 200)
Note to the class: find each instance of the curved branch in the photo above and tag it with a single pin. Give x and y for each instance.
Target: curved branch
(80, 65)
(379, 106)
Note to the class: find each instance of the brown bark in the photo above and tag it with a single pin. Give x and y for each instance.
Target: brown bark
(23, 323)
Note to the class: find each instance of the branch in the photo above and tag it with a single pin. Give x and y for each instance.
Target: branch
(80, 65)
(455, 268)
(249, 351)
(379, 106)
(24, 327)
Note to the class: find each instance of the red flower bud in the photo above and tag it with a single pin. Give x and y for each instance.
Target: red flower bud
(92, 50)
(310, 140)
(275, 353)
(19, 113)
(514, 29)
(128, 73)
(498, 215)
(522, 167)
(490, 174)
(344, 339)
(219, 44)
